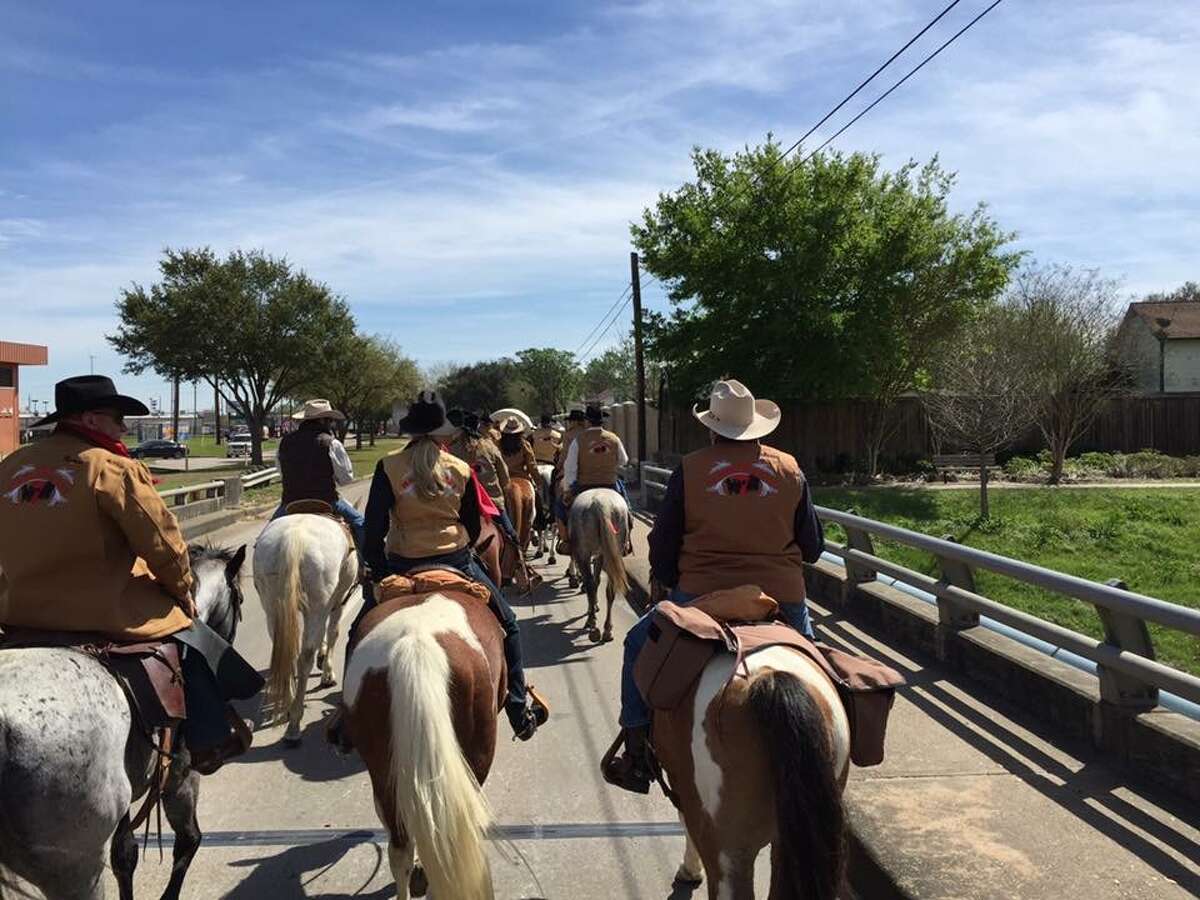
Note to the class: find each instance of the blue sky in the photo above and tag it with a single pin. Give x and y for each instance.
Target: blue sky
(464, 174)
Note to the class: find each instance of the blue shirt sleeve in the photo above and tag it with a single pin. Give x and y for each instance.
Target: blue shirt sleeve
(810, 536)
(666, 537)
(378, 517)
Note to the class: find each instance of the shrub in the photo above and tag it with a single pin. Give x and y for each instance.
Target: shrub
(1023, 467)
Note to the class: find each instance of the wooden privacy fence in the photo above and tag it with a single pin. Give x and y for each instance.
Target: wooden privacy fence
(830, 435)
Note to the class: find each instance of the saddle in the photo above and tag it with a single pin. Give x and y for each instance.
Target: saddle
(682, 640)
(149, 672)
(420, 582)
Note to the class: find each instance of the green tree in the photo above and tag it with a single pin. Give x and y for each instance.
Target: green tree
(249, 324)
(833, 278)
(485, 385)
(552, 374)
(613, 370)
(1188, 292)
(362, 376)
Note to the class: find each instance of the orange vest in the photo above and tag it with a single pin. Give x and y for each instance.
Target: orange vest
(597, 457)
(739, 504)
(419, 526)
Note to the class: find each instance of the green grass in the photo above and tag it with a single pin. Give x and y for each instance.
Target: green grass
(206, 445)
(1147, 537)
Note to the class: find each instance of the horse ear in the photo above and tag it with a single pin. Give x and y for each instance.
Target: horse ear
(235, 564)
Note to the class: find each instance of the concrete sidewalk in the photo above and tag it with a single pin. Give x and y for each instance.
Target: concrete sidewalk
(978, 800)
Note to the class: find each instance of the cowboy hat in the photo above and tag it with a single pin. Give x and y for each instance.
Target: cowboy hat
(512, 425)
(317, 409)
(576, 415)
(84, 393)
(595, 415)
(501, 415)
(734, 413)
(426, 415)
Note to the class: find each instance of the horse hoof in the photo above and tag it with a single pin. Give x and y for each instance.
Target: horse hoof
(607, 637)
(418, 884)
(573, 582)
(553, 560)
(684, 878)
(594, 635)
(321, 664)
(328, 682)
(538, 555)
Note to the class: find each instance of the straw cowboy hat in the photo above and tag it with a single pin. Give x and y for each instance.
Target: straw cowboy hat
(734, 413)
(317, 409)
(513, 425)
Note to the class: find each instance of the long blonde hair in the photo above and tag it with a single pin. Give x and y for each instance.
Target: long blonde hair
(427, 467)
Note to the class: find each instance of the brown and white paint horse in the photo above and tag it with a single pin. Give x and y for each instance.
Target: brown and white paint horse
(760, 759)
(423, 686)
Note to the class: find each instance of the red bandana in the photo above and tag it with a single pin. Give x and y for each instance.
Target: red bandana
(92, 436)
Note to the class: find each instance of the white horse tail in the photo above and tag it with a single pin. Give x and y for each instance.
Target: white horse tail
(611, 551)
(286, 606)
(436, 794)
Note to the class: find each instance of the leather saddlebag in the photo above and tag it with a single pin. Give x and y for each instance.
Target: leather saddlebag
(868, 690)
(681, 641)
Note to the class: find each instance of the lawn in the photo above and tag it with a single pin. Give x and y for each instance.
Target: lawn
(1146, 537)
(206, 445)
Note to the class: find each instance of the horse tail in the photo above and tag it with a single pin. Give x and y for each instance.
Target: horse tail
(287, 619)
(808, 800)
(437, 797)
(612, 553)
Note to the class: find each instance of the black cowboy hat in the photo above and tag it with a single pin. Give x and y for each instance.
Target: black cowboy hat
(595, 414)
(470, 424)
(84, 393)
(426, 414)
(576, 415)
(547, 420)
(455, 417)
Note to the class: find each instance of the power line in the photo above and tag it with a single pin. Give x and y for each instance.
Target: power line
(891, 59)
(628, 288)
(602, 334)
(889, 91)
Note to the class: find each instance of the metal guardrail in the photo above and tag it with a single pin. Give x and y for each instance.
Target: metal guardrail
(209, 490)
(1129, 674)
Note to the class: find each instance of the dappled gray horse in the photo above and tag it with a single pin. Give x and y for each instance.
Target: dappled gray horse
(598, 526)
(545, 531)
(72, 761)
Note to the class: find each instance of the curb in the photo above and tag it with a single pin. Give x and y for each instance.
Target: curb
(197, 528)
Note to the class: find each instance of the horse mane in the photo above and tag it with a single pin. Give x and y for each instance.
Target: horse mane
(202, 552)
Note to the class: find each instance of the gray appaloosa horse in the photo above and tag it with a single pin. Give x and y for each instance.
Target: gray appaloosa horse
(599, 526)
(545, 529)
(72, 762)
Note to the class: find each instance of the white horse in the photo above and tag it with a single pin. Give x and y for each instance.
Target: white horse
(72, 762)
(599, 526)
(305, 567)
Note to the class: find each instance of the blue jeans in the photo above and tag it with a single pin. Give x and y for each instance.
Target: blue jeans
(465, 562)
(634, 711)
(348, 514)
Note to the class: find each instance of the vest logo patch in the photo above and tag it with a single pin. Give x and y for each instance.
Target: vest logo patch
(40, 485)
(726, 481)
(598, 448)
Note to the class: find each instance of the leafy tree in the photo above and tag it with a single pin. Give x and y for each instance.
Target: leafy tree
(983, 395)
(485, 385)
(1067, 340)
(613, 370)
(362, 376)
(1188, 292)
(833, 278)
(249, 324)
(552, 375)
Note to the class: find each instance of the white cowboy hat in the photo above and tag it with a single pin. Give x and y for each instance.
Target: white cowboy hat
(317, 409)
(501, 414)
(512, 425)
(734, 413)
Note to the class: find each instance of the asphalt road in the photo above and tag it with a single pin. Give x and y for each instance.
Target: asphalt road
(300, 823)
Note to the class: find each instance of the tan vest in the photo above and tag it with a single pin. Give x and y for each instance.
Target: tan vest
(81, 531)
(597, 457)
(485, 460)
(739, 506)
(546, 444)
(420, 527)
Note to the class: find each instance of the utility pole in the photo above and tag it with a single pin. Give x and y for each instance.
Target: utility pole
(91, 364)
(635, 273)
(217, 415)
(175, 408)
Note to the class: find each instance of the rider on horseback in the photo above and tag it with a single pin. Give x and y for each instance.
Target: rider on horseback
(313, 463)
(518, 455)
(479, 452)
(735, 513)
(547, 441)
(87, 545)
(593, 460)
(424, 511)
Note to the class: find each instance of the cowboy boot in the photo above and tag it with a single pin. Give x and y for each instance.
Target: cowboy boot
(631, 770)
(210, 759)
(335, 731)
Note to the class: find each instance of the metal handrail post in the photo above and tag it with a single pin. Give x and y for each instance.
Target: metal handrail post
(1125, 632)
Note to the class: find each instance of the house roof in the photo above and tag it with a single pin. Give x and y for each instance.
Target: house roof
(1177, 320)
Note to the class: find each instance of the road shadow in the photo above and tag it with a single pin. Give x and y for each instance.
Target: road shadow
(1090, 793)
(286, 875)
(315, 759)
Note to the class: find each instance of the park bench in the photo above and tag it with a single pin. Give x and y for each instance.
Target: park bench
(944, 462)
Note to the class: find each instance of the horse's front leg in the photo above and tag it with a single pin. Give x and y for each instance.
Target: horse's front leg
(303, 666)
(124, 855)
(691, 871)
(181, 796)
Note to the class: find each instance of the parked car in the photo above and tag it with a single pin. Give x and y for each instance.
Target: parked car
(237, 444)
(159, 450)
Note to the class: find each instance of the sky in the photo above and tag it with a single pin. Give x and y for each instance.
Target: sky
(464, 174)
